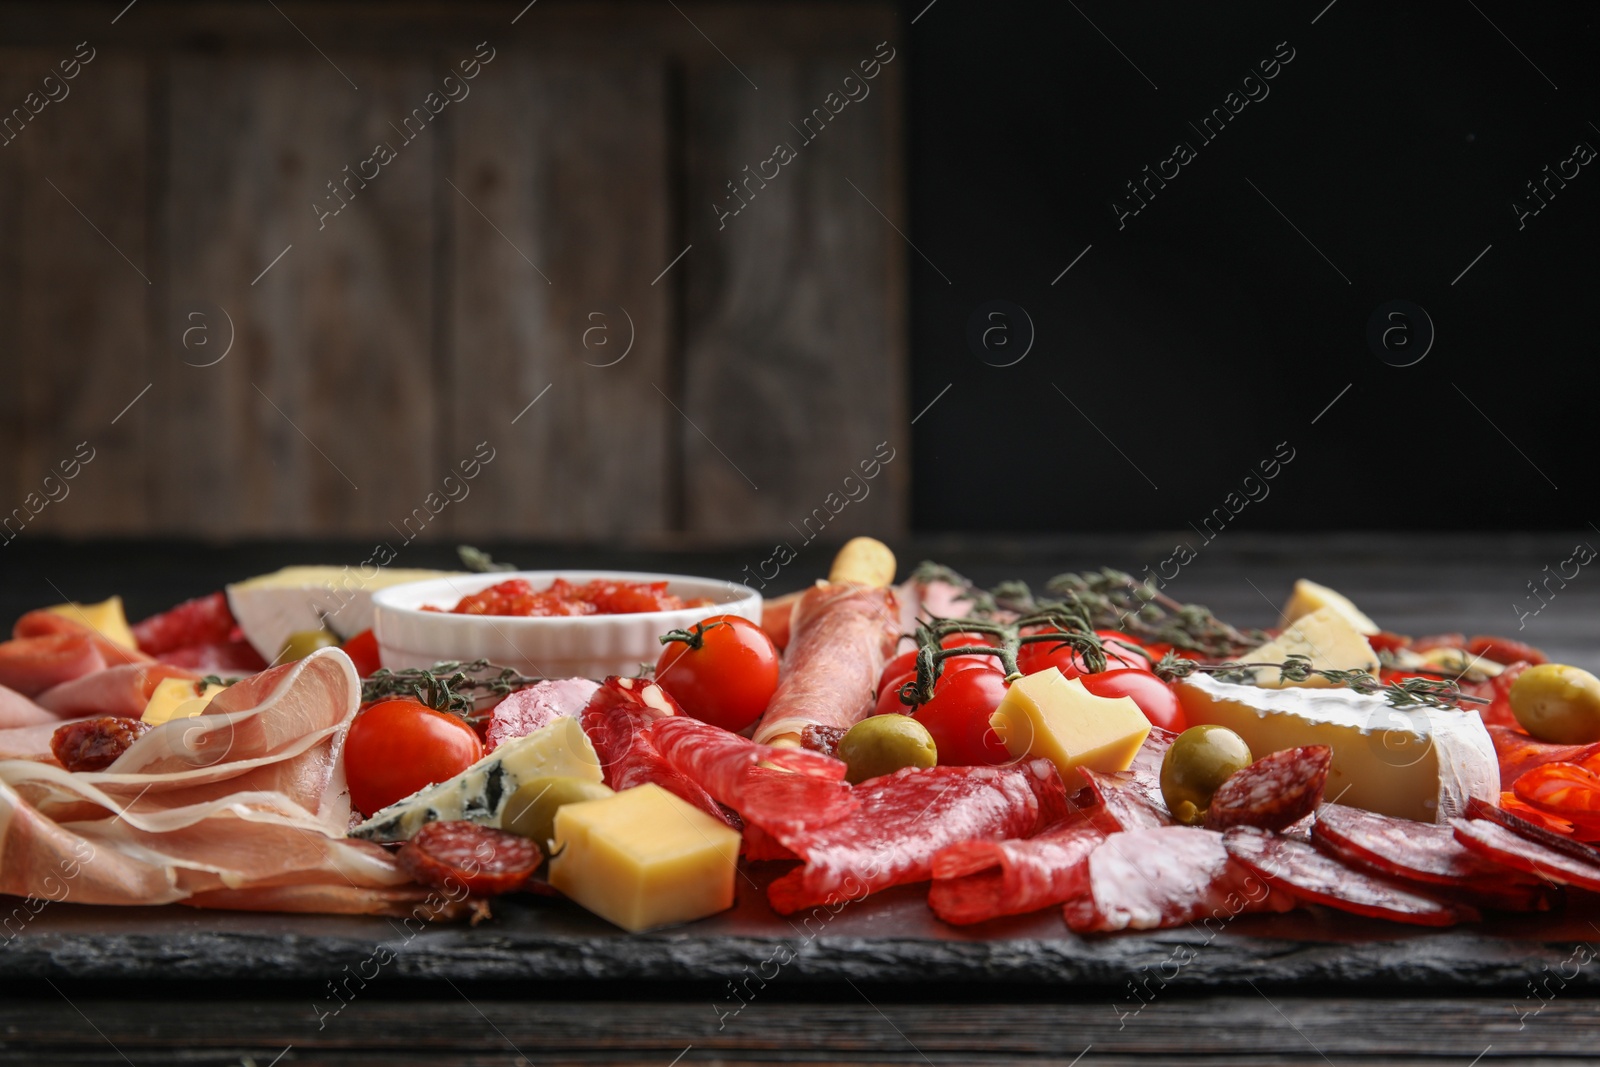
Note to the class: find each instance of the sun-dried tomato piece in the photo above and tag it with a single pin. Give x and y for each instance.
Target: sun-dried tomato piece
(95, 744)
(1505, 650)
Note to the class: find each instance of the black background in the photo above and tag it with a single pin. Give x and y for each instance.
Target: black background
(1208, 330)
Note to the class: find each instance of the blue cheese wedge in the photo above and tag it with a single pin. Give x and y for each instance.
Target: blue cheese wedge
(273, 606)
(479, 794)
(1413, 763)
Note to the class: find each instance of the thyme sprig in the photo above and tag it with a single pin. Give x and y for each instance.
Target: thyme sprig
(452, 687)
(475, 559)
(1060, 628)
(1405, 693)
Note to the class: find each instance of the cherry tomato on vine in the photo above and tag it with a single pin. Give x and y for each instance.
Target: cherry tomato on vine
(889, 696)
(907, 661)
(363, 652)
(968, 638)
(723, 670)
(958, 717)
(396, 747)
(1154, 697)
(1037, 655)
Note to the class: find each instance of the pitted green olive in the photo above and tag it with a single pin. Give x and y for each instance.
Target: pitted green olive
(882, 744)
(302, 643)
(1554, 702)
(1199, 761)
(531, 811)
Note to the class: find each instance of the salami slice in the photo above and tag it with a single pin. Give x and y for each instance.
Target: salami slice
(1519, 753)
(840, 636)
(1303, 872)
(1274, 792)
(1151, 879)
(1495, 842)
(823, 739)
(536, 707)
(615, 720)
(1482, 809)
(905, 818)
(483, 860)
(1132, 799)
(979, 880)
(778, 789)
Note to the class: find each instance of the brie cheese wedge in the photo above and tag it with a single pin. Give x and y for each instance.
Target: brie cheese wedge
(481, 792)
(1413, 763)
(273, 606)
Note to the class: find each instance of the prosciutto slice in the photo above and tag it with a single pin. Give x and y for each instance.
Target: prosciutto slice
(616, 721)
(121, 690)
(840, 636)
(796, 788)
(17, 710)
(1151, 879)
(41, 623)
(904, 819)
(244, 805)
(979, 880)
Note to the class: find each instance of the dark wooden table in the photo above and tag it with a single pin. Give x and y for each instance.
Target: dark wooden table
(882, 982)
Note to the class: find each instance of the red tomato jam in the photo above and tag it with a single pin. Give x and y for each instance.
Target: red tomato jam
(601, 596)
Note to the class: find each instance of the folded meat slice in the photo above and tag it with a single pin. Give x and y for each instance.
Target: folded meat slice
(904, 819)
(616, 721)
(121, 690)
(979, 880)
(1151, 879)
(778, 789)
(536, 707)
(841, 634)
(17, 710)
(32, 665)
(39, 623)
(244, 802)
(1132, 799)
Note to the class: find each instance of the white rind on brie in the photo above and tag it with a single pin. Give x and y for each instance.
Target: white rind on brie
(1418, 763)
(271, 607)
(480, 793)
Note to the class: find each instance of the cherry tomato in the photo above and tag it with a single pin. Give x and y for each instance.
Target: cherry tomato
(396, 747)
(363, 652)
(968, 638)
(1154, 697)
(958, 717)
(1035, 656)
(889, 696)
(907, 661)
(724, 675)
(1384, 641)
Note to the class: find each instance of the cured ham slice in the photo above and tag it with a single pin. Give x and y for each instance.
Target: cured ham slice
(1151, 879)
(242, 806)
(17, 710)
(796, 789)
(41, 623)
(536, 707)
(616, 720)
(979, 880)
(1306, 874)
(1132, 799)
(904, 819)
(31, 665)
(1519, 753)
(841, 634)
(123, 690)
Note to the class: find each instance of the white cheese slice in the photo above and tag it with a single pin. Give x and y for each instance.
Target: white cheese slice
(1326, 638)
(273, 606)
(480, 793)
(1413, 763)
(1308, 596)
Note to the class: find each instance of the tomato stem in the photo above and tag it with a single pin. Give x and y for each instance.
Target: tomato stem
(694, 637)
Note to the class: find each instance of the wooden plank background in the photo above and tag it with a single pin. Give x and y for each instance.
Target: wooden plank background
(510, 253)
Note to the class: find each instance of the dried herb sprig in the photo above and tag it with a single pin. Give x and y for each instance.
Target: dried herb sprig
(1405, 693)
(453, 687)
(1059, 627)
(475, 559)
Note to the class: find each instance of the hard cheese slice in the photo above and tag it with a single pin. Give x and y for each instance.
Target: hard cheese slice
(1326, 638)
(644, 858)
(1308, 597)
(105, 618)
(177, 698)
(1048, 716)
(273, 606)
(480, 793)
(1412, 763)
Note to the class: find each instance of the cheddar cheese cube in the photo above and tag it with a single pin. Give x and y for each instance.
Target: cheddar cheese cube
(644, 858)
(1047, 715)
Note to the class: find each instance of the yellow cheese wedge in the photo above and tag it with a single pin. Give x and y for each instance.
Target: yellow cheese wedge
(177, 698)
(1326, 638)
(106, 618)
(1308, 596)
(1047, 715)
(644, 858)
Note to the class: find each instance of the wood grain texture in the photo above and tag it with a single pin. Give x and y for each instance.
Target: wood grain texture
(792, 372)
(559, 209)
(322, 417)
(74, 290)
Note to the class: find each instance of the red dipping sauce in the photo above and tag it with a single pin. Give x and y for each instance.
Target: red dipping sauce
(601, 596)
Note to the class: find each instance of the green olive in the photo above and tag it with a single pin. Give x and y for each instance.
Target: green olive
(302, 643)
(882, 744)
(1199, 761)
(1554, 702)
(531, 811)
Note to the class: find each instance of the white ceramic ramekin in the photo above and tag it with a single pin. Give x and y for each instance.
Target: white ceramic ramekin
(591, 646)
